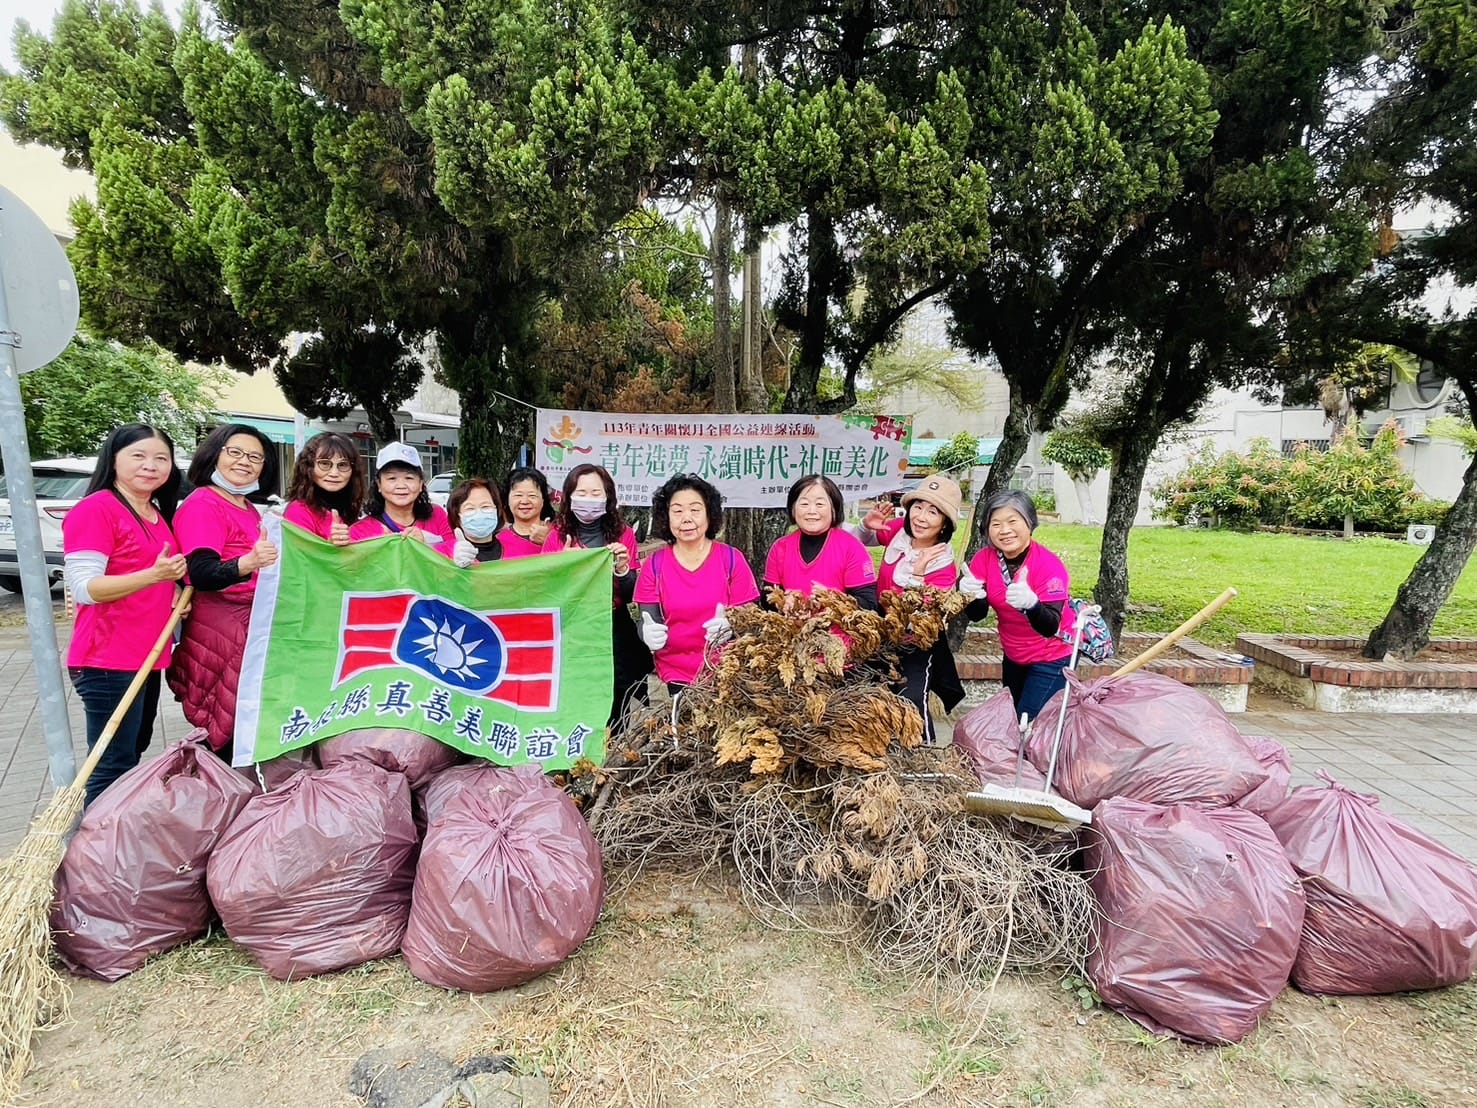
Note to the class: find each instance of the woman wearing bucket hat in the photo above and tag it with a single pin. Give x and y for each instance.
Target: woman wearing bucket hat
(1027, 585)
(917, 553)
(398, 502)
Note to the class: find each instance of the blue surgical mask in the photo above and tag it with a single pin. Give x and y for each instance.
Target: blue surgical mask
(478, 524)
(239, 490)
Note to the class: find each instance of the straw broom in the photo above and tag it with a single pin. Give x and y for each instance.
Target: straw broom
(33, 995)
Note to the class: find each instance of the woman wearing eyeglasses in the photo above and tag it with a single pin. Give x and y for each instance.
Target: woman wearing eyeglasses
(220, 534)
(327, 492)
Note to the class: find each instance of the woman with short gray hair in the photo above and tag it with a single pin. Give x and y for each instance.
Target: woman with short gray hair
(1027, 585)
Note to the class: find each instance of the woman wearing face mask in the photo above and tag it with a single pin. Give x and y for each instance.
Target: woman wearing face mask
(917, 553)
(589, 519)
(220, 534)
(819, 552)
(686, 591)
(530, 512)
(1027, 585)
(122, 565)
(327, 492)
(475, 510)
(398, 503)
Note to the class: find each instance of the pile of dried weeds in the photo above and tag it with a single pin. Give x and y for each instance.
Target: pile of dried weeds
(795, 762)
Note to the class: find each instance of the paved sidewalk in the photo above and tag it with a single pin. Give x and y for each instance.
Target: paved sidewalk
(1422, 767)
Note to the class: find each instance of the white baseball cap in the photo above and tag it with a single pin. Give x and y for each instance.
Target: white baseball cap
(397, 453)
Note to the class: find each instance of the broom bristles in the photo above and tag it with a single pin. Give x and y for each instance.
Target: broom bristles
(33, 995)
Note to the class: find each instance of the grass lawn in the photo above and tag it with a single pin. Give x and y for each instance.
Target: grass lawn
(1289, 584)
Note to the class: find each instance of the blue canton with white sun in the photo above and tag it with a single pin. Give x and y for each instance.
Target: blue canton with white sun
(451, 645)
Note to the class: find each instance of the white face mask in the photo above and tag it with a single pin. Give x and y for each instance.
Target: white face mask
(479, 523)
(587, 509)
(239, 490)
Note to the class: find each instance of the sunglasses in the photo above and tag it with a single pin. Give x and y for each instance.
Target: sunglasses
(334, 465)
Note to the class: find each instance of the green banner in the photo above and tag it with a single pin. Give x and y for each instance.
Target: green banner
(508, 661)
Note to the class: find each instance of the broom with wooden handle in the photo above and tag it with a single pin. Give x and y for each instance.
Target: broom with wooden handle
(32, 993)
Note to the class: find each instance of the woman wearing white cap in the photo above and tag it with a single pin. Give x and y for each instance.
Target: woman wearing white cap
(918, 553)
(398, 503)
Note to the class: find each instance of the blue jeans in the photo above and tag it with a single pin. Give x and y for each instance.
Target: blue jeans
(1031, 686)
(100, 690)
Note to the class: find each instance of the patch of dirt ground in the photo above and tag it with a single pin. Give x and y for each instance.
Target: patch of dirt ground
(682, 998)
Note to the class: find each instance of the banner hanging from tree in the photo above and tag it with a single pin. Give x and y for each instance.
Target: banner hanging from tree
(508, 661)
(752, 459)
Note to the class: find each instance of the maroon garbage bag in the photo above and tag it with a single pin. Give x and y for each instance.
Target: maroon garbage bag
(508, 885)
(1389, 909)
(1146, 737)
(316, 876)
(418, 756)
(479, 777)
(989, 736)
(1201, 914)
(277, 772)
(132, 883)
(1275, 760)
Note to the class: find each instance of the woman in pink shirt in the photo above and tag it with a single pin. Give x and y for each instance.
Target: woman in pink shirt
(475, 510)
(326, 497)
(819, 552)
(588, 519)
(220, 534)
(123, 566)
(1027, 585)
(917, 553)
(398, 503)
(530, 512)
(686, 590)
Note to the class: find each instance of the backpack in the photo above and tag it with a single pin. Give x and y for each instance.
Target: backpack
(1097, 640)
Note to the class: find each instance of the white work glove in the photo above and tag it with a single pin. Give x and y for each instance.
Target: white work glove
(653, 634)
(464, 553)
(717, 629)
(971, 586)
(1019, 595)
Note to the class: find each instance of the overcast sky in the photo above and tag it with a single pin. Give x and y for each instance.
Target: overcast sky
(40, 13)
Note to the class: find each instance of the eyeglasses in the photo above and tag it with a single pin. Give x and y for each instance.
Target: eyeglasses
(334, 465)
(235, 453)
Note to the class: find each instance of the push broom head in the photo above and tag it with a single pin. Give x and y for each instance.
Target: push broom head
(1029, 805)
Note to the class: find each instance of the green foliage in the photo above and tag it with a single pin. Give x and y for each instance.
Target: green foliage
(1230, 489)
(1077, 453)
(93, 386)
(1422, 509)
(1044, 499)
(959, 455)
(1350, 479)
(1460, 431)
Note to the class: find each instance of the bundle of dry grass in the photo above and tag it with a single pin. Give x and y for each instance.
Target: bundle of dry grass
(795, 761)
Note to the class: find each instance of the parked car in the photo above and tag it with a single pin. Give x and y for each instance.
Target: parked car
(440, 488)
(60, 483)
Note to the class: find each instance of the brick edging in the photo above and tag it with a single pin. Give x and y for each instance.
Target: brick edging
(1306, 656)
(1204, 667)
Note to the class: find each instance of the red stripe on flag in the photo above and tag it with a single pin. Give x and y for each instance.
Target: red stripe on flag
(531, 661)
(377, 611)
(360, 660)
(531, 695)
(534, 628)
(382, 639)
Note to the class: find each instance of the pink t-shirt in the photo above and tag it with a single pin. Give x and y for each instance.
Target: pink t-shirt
(1048, 579)
(208, 521)
(688, 599)
(842, 564)
(437, 529)
(554, 544)
(309, 519)
(516, 546)
(899, 552)
(119, 634)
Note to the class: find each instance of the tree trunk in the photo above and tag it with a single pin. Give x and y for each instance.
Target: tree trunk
(725, 396)
(1084, 499)
(820, 266)
(1406, 631)
(1348, 526)
(1130, 463)
(381, 421)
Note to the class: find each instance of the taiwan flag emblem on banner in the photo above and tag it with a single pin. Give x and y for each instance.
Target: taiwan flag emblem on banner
(508, 661)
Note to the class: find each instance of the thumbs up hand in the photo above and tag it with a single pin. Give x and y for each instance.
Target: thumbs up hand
(464, 552)
(338, 530)
(169, 567)
(971, 586)
(717, 629)
(1020, 595)
(260, 556)
(653, 634)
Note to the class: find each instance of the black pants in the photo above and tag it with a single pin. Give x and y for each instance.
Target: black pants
(100, 690)
(632, 662)
(930, 671)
